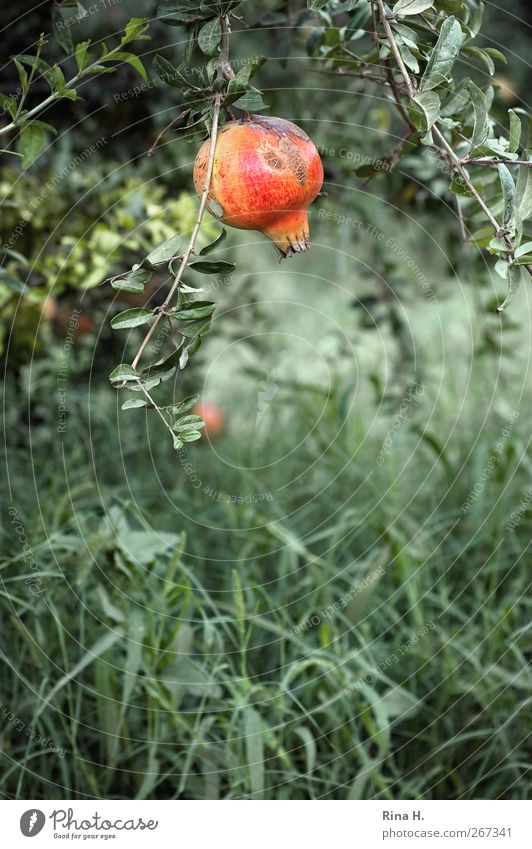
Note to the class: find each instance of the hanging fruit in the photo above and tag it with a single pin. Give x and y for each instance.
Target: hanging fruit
(266, 173)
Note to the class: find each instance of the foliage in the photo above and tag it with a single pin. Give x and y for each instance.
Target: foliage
(96, 214)
(418, 46)
(32, 136)
(28, 206)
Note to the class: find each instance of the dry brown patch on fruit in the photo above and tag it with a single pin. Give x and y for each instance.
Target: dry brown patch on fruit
(295, 161)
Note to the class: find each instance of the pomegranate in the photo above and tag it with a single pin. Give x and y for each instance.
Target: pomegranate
(212, 415)
(266, 173)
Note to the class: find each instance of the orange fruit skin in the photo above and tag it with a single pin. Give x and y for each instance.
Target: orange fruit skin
(266, 173)
(213, 416)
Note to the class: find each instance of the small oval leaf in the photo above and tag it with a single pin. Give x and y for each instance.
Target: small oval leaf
(131, 318)
(213, 267)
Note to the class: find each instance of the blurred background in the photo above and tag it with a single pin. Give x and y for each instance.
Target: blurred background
(327, 596)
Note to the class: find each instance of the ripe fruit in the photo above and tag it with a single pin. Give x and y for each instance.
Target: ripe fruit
(212, 415)
(266, 173)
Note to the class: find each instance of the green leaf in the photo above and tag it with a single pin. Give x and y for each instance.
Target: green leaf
(22, 74)
(525, 248)
(178, 12)
(213, 245)
(134, 282)
(147, 384)
(250, 68)
(34, 62)
(11, 283)
(409, 58)
(191, 329)
(165, 251)
(164, 365)
(408, 35)
(209, 37)
(524, 188)
(361, 15)
(135, 31)
(444, 55)
(134, 61)
(251, 101)
(480, 115)
(55, 78)
(62, 33)
(515, 131)
(185, 404)
(235, 89)
(485, 58)
(8, 104)
(213, 267)
(193, 347)
(492, 51)
(123, 372)
(514, 279)
(32, 141)
(254, 751)
(82, 54)
(131, 318)
(193, 311)
(412, 7)
(188, 423)
(424, 110)
(240, 607)
(167, 72)
(458, 186)
(475, 23)
(509, 195)
(190, 435)
(316, 5)
(178, 443)
(134, 403)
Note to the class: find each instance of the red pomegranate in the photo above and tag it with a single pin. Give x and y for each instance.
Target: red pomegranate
(266, 173)
(212, 415)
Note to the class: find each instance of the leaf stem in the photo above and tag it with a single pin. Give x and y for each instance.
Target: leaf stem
(157, 409)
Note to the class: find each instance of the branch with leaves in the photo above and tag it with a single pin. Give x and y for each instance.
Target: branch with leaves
(207, 93)
(32, 133)
(418, 43)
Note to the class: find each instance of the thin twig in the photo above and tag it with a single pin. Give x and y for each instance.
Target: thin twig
(174, 121)
(223, 62)
(457, 163)
(394, 48)
(192, 241)
(396, 93)
(526, 162)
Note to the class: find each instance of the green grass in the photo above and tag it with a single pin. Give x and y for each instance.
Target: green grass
(188, 647)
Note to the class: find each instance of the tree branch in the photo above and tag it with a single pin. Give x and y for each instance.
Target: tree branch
(221, 72)
(441, 142)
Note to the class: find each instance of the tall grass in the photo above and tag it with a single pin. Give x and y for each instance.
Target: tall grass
(354, 632)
